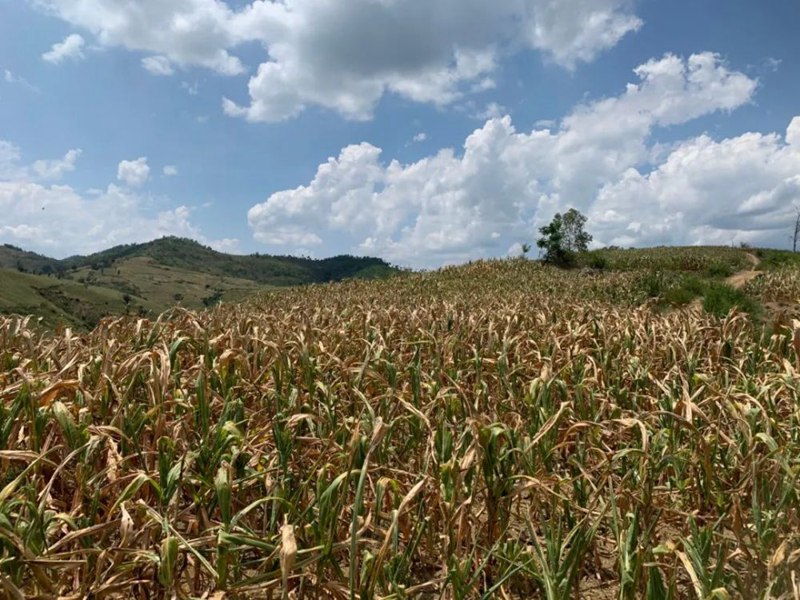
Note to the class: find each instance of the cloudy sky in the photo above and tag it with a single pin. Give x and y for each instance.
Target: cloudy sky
(423, 131)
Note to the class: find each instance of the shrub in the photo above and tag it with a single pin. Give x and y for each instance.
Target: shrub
(678, 296)
(654, 284)
(719, 269)
(598, 261)
(720, 298)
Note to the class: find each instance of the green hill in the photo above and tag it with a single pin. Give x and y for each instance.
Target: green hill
(151, 277)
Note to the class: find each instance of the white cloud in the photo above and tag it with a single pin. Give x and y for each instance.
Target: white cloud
(576, 31)
(493, 110)
(739, 189)
(515, 250)
(449, 207)
(55, 169)
(186, 32)
(793, 133)
(9, 160)
(70, 49)
(227, 245)
(59, 220)
(420, 137)
(11, 167)
(170, 170)
(158, 65)
(346, 55)
(134, 172)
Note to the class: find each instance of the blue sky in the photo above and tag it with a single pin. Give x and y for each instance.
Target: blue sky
(425, 131)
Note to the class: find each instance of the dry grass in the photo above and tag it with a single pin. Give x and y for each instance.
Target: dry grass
(499, 431)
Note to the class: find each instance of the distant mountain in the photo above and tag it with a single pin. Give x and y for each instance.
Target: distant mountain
(151, 277)
(12, 257)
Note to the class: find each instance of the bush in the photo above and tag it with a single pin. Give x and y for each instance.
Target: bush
(680, 292)
(720, 298)
(719, 269)
(598, 261)
(678, 296)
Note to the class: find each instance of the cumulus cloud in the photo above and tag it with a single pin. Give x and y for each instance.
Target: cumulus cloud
(227, 245)
(170, 170)
(134, 172)
(793, 133)
(743, 188)
(493, 110)
(599, 25)
(11, 167)
(70, 49)
(186, 32)
(55, 169)
(59, 220)
(346, 55)
(449, 207)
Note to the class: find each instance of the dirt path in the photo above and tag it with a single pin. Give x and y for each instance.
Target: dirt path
(737, 280)
(741, 278)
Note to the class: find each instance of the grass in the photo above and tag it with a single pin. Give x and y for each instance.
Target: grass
(772, 260)
(63, 302)
(720, 298)
(165, 286)
(499, 430)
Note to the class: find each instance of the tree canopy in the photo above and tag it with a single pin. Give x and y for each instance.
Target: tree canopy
(563, 238)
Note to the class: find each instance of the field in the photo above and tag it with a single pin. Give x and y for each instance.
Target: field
(57, 301)
(497, 430)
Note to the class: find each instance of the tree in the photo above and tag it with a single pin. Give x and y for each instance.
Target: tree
(563, 238)
(796, 235)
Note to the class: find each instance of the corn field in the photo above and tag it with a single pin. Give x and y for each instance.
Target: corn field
(500, 430)
(699, 258)
(780, 286)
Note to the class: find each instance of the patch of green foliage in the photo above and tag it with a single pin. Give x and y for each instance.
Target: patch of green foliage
(719, 270)
(720, 298)
(772, 260)
(687, 288)
(564, 239)
(671, 289)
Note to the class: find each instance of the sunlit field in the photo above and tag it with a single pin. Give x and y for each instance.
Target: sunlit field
(498, 430)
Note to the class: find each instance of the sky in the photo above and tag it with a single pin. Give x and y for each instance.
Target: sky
(425, 132)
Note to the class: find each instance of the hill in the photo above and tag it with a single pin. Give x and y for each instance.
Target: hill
(148, 278)
(13, 257)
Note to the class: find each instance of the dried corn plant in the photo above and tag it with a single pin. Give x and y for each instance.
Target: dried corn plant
(499, 430)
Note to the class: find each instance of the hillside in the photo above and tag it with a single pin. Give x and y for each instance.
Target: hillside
(148, 278)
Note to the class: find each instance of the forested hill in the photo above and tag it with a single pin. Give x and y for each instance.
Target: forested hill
(150, 277)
